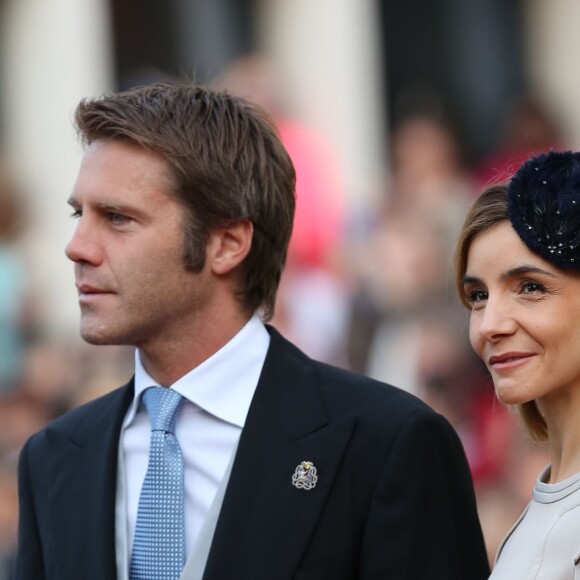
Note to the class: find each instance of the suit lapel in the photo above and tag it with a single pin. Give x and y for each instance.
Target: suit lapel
(265, 522)
(82, 468)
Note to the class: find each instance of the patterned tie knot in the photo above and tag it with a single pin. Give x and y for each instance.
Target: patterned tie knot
(162, 404)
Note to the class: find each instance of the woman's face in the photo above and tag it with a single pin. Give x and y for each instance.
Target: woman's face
(525, 318)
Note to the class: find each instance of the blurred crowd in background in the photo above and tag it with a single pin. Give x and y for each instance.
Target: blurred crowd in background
(372, 292)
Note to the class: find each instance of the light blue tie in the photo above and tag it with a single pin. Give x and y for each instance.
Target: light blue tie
(159, 545)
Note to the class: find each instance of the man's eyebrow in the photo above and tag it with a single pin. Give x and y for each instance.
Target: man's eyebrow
(112, 205)
(107, 205)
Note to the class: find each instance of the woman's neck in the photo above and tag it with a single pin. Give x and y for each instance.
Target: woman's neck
(562, 416)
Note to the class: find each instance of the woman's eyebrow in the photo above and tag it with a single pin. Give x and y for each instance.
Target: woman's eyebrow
(526, 269)
(470, 280)
(511, 273)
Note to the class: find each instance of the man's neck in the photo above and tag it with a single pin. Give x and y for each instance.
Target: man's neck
(168, 362)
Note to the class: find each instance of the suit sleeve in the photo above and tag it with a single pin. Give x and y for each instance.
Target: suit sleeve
(29, 560)
(423, 521)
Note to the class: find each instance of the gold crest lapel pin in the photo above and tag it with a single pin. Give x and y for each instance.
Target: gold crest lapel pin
(305, 476)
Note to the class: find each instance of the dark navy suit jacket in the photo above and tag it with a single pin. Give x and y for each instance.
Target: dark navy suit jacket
(394, 497)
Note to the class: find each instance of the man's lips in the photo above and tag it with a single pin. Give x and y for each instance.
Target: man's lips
(88, 292)
(88, 289)
(509, 359)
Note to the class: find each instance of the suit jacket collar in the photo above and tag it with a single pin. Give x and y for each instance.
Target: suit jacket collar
(265, 522)
(82, 475)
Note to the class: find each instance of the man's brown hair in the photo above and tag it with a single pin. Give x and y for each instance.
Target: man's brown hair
(228, 164)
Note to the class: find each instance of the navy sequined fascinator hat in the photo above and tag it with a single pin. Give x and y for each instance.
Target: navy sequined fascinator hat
(544, 206)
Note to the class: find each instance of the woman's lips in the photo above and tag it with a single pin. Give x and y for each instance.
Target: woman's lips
(509, 360)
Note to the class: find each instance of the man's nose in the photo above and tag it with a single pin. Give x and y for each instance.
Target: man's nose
(83, 246)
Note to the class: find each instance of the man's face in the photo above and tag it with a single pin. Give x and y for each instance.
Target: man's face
(127, 249)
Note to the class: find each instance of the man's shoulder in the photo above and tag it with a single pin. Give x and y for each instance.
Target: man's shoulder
(78, 423)
(346, 392)
(382, 417)
(345, 388)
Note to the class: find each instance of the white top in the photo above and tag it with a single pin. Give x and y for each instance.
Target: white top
(545, 542)
(217, 396)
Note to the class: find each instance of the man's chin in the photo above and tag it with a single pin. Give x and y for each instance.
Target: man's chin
(100, 337)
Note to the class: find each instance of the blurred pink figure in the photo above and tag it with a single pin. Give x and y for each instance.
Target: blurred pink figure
(531, 128)
(312, 305)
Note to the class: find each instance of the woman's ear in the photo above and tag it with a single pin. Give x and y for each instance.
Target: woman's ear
(229, 245)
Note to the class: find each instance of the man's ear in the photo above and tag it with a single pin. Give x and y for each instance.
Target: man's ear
(229, 245)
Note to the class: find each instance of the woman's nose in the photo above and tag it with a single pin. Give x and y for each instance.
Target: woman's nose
(497, 319)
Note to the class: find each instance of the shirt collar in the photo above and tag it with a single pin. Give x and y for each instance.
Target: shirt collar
(224, 384)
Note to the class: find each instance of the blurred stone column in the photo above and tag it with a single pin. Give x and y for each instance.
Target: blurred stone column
(53, 54)
(552, 49)
(328, 54)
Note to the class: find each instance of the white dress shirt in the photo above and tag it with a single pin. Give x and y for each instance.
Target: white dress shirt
(217, 397)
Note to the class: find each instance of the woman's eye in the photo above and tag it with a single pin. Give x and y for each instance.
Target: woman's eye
(531, 287)
(477, 295)
(76, 214)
